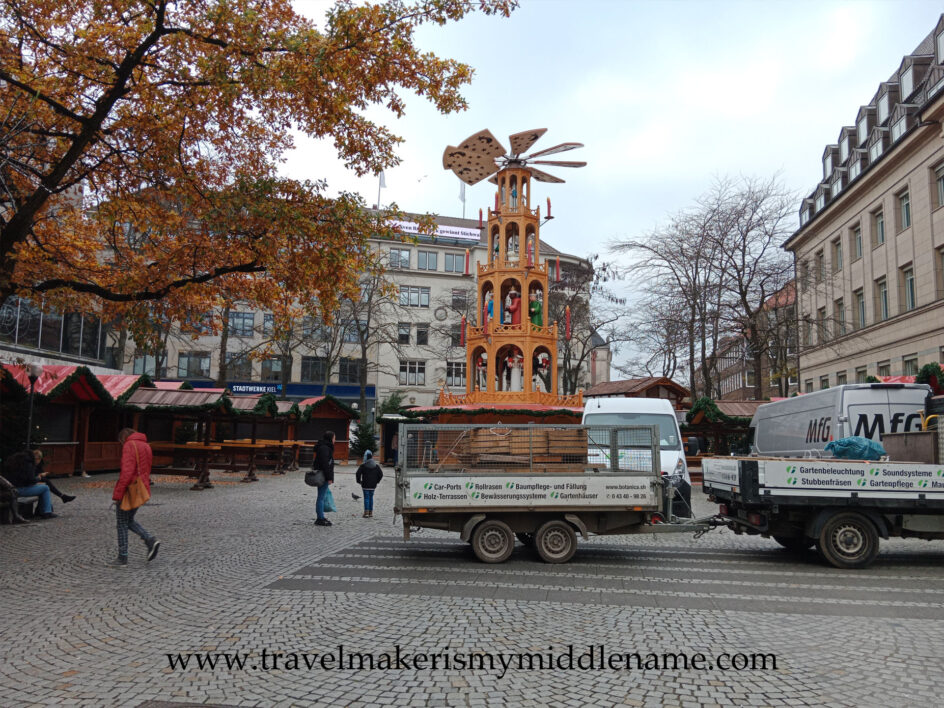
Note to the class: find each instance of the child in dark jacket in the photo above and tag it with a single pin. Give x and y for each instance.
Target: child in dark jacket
(368, 476)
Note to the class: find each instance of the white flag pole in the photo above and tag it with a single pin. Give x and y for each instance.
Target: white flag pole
(381, 182)
(462, 197)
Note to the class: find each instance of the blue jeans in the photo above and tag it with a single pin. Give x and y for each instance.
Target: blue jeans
(368, 499)
(37, 490)
(319, 505)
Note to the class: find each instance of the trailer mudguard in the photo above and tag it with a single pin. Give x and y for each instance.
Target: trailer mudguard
(470, 526)
(576, 521)
(815, 525)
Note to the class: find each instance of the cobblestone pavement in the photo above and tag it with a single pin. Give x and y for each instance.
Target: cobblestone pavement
(242, 569)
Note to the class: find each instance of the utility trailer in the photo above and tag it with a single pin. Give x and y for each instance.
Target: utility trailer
(543, 484)
(843, 507)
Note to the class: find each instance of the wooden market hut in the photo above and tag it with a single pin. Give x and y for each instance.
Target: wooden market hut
(646, 387)
(77, 414)
(320, 414)
(725, 425)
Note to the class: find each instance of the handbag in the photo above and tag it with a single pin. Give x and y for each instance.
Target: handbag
(136, 494)
(329, 501)
(315, 478)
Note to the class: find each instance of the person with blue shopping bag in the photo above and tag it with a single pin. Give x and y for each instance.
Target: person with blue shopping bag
(368, 476)
(324, 463)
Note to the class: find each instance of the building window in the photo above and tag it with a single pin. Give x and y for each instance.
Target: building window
(862, 129)
(349, 370)
(908, 289)
(898, 128)
(804, 275)
(455, 335)
(881, 300)
(837, 255)
(455, 373)
(841, 378)
(193, 365)
(940, 48)
(272, 369)
(844, 149)
(883, 108)
(909, 365)
(238, 366)
(939, 185)
(856, 243)
(241, 323)
(426, 260)
(808, 386)
(823, 382)
(907, 82)
(820, 200)
(413, 296)
(827, 165)
(884, 368)
(403, 333)
(399, 257)
(861, 374)
(422, 335)
(412, 373)
(878, 228)
(460, 299)
(314, 369)
(855, 167)
(904, 211)
(268, 324)
(455, 262)
(147, 364)
(353, 331)
(835, 186)
(859, 313)
(820, 267)
(808, 332)
(875, 151)
(839, 313)
(821, 325)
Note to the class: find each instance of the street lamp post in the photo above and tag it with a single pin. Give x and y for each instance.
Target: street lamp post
(35, 371)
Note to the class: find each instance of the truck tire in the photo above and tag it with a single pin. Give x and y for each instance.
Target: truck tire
(848, 540)
(526, 539)
(795, 543)
(556, 541)
(493, 541)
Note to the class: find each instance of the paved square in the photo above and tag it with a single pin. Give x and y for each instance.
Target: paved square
(242, 569)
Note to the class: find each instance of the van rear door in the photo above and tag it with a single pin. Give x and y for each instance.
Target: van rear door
(883, 409)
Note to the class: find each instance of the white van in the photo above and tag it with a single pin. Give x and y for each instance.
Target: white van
(649, 411)
(793, 426)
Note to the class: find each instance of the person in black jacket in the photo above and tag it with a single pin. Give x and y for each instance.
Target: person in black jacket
(324, 461)
(368, 476)
(20, 471)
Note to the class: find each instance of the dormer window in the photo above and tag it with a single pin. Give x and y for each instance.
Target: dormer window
(855, 169)
(875, 151)
(899, 127)
(907, 82)
(844, 149)
(836, 186)
(820, 200)
(940, 48)
(883, 108)
(804, 215)
(827, 165)
(862, 129)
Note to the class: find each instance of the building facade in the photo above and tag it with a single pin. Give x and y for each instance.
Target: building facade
(869, 251)
(414, 348)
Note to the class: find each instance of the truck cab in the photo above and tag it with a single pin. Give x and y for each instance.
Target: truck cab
(650, 411)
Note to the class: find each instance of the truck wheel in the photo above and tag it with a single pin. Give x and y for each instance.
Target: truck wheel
(526, 538)
(794, 543)
(556, 542)
(849, 540)
(493, 541)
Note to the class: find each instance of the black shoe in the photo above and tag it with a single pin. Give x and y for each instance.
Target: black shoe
(119, 562)
(153, 547)
(47, 515)
(66, 498)
(322, 522)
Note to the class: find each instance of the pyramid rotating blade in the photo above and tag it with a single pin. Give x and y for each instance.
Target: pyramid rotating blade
(544, 176)
(563, 147)
(521, 142)
(483, 144)
(559, 163)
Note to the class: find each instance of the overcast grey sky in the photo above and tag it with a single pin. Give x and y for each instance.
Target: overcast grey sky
(664, 95)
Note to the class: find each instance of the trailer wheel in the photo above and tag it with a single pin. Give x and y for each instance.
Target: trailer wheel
(526, 538)
(848, 540)
(556, 542)
(795, 543)
(493, 541)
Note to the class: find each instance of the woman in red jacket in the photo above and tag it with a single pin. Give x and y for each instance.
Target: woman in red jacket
(136, 457)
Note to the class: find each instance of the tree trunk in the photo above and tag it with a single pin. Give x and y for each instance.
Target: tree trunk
(222, 373)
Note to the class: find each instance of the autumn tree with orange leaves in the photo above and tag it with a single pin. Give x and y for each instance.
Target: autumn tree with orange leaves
(139, 142)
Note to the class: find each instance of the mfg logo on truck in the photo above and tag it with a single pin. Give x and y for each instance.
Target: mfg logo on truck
(867, 426)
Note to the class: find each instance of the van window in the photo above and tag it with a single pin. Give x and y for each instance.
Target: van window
(668, 425)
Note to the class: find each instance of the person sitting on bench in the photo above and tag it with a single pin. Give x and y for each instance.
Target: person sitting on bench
(20, 471)
(42, 476)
